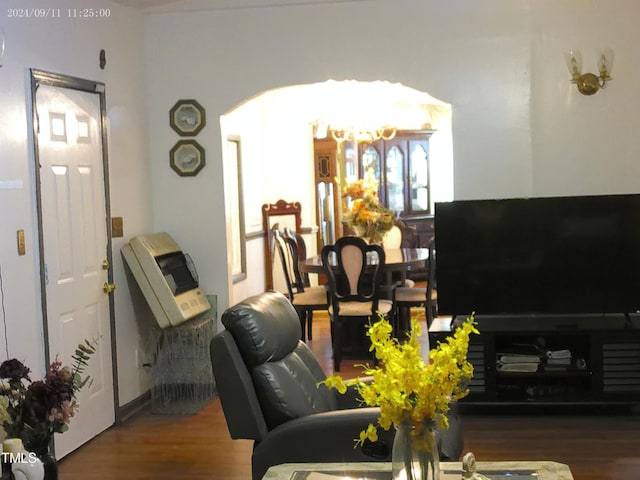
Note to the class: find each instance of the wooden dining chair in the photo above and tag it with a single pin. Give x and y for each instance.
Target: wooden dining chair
(432, 285)
(283, 212)
(354, 272)
(301, 248)
(410, 297)
(305, 300)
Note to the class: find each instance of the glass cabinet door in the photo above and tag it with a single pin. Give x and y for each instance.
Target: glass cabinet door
(326, 215)
(395, 180)
(370, 160)
(418, 178)
(350, 165)
(401, 167)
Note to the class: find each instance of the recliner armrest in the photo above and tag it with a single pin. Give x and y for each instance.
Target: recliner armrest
(322, 437)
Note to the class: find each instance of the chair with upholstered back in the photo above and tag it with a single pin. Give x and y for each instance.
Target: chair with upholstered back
(400, 235)
(267, 380)
(354, 273)
(305, 300)
(392, 238)
(395, 238)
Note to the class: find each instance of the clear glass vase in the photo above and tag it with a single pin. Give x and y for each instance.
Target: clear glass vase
(414, 457)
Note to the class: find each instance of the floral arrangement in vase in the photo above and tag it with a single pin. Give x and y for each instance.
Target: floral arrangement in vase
(413, 395)
(34, 410)
(366, 216)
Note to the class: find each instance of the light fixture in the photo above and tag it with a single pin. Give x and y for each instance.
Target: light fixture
(589, 83)
(362, 135)
(1, 46)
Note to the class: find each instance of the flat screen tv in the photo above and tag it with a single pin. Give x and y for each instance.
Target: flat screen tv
(556, 255)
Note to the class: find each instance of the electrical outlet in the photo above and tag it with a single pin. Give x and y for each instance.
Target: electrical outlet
(140, 359)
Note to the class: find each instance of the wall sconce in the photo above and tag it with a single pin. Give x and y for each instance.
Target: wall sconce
(589, 83)
(1, 46)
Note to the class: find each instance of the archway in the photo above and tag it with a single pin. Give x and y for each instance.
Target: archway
(275, 131)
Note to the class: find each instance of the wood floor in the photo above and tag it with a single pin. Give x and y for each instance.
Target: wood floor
(597, 446)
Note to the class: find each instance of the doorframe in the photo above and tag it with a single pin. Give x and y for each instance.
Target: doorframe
(40, 77)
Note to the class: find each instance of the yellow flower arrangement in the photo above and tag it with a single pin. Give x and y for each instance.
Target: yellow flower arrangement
(367, 217)
(408, 390)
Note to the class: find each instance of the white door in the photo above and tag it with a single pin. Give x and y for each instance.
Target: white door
(74, 247)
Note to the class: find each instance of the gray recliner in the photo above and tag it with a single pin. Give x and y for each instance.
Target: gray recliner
(267, 381)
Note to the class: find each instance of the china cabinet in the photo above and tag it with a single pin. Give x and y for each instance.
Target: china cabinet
(401, 167)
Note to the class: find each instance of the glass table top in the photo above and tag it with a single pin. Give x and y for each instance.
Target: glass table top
(508, 470)
(386, 475)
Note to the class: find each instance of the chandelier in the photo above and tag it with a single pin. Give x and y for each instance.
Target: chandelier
(342, 133)
(360, 135)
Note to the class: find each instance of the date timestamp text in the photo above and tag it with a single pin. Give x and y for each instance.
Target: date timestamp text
(58, 12)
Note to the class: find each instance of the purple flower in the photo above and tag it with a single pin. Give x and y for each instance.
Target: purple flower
(41, 408)
(14, 370)
(36, 402)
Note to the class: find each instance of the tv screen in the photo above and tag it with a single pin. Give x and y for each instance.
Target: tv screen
(539, 255)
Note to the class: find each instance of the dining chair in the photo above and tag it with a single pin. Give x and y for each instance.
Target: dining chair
(409, 297)
(394, 238)
(304, 299)
(354, 272)
(301, 248)
(432, 285)
(282, 211)
(401, 235)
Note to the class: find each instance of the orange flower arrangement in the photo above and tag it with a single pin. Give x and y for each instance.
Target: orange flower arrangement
(366, 216)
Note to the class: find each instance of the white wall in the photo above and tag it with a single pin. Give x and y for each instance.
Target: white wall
(71, 46)
(519, 127)
(584, 145)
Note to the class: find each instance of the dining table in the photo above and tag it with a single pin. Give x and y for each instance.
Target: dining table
(398, 263)
(397, 260)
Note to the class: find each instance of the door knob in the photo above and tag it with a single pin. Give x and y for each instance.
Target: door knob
(108, 287)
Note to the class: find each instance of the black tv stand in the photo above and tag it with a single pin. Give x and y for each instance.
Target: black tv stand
(602, 365)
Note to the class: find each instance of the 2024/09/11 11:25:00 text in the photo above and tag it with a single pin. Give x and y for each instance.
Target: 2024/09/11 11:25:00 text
(39, 12)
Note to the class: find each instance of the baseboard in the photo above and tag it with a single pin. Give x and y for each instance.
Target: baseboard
(129, 409)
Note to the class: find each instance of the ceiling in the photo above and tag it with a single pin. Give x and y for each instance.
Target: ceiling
(166, 6)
